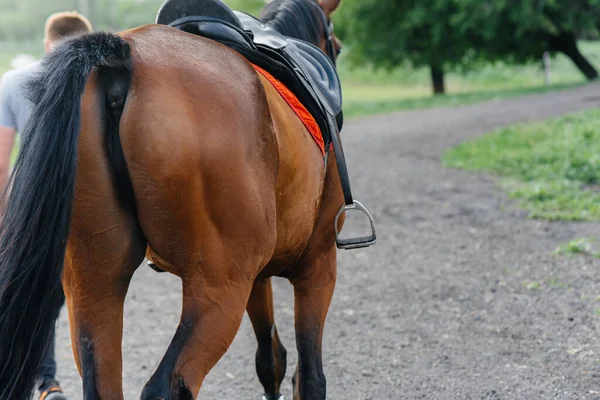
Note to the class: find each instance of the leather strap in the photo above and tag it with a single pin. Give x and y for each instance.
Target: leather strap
(341, 162)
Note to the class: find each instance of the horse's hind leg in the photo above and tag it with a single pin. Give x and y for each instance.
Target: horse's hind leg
(313, 291)
(214, 300)
(104, 249)
(98, 269)
(270, 355)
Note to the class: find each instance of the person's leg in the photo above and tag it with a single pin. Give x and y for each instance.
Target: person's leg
(49, 387)
(48, 368)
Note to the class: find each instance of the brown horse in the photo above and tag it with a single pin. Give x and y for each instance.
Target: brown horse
(229, 189)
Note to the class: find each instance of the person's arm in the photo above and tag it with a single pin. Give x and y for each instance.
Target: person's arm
(7, 142)
(8, 129)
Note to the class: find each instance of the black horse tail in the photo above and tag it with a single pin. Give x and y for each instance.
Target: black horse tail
(36, 223)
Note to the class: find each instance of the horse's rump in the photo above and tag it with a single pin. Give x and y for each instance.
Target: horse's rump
(252, 170)
(197, 136)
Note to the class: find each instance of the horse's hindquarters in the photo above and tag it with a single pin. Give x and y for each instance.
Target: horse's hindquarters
(203, 159)
(201, 151)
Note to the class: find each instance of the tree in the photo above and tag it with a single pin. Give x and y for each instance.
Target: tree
(448, 33)
(521, 31)
(388, 33)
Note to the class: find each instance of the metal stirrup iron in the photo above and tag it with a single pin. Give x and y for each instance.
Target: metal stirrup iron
(349, 203)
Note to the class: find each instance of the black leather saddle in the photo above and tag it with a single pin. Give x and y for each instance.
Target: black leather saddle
(304, 68)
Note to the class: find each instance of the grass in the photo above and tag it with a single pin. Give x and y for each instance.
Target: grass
(368, 91)
(533, 285)
(552, 168)
(582, 246)
(357, 108)
(550, 283)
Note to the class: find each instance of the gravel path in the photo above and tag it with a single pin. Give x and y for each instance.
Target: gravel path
(441, 307)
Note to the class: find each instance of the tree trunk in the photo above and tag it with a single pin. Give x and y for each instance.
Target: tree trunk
(437, 78)
(567, 44)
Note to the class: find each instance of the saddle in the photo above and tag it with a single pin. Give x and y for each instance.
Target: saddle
(301, 67)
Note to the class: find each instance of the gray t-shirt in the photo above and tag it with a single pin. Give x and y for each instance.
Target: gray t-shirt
(14, 105)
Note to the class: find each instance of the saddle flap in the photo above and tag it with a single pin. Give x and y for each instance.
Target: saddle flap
(318, 70)
(321, 73)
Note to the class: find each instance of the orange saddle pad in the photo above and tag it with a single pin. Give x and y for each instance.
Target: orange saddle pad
(301, 111)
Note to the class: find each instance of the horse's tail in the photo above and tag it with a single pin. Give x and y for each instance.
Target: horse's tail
(35, 228)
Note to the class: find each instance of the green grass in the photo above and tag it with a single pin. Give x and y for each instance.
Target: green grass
(368, 91)
(356, 108)
(551, 168)
(582, 246)
(550, 283)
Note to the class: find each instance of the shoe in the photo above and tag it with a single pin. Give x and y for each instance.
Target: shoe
(154, 266)
(51, 390)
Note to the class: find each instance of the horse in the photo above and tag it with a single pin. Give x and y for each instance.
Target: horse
(157, 142)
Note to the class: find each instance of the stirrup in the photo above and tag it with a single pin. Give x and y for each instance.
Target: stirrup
(358, 242)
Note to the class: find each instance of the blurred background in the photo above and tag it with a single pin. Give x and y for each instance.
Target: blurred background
(397, 53)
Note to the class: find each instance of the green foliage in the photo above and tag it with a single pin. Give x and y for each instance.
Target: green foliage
(522, 31)
(553, 167)
(389, 33)
(464, 33)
